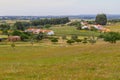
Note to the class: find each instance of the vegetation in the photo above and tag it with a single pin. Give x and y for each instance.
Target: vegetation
(54, 40)
(84, 62)
(101, 19)
(67, 60)
(70, 41)
(111, 37)
(53, 21)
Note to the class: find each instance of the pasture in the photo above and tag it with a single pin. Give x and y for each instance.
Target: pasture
(47, 61)
(54, 62)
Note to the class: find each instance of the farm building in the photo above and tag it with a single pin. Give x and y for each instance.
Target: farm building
(37, 31)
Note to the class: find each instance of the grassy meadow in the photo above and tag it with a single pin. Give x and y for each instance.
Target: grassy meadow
(47, 61)
(72, 62)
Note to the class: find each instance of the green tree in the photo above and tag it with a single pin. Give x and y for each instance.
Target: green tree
(101, 19)
(111, 37)
(39, 36)
(19, 26)
(47, 26)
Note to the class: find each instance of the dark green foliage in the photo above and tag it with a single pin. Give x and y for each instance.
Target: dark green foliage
(4, 27)
(39, 36)
(16, 33)
(54, 40)
(22, 25)
(52, 21)
(91, 22)
(111, 37)
(85, 40)
(47, 26)
(70, 41)
(23, 35)
(78, 40)
(5, 32)
(77, 24)
(19, 26)
(101, 19)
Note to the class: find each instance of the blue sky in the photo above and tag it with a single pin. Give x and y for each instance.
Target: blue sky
(58, 7)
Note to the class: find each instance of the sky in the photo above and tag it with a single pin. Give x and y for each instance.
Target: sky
(57, 7)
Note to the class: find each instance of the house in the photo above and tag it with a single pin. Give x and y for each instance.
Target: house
(37, 31)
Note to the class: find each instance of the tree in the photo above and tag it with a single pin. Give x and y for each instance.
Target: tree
(40, 36)
(111, 37)
(19, 26)
(101, 19)
(47, 26)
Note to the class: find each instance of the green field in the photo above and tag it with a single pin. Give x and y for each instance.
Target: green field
(48, 61)
(70, 30)
(54, 62)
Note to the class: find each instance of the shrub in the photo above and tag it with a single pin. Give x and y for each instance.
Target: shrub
(111, 37)
(85, 40)
(70, 41)
(78, 40)
(54, 40)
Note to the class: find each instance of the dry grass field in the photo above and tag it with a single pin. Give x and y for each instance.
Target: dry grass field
(100, 61)
(47, 61)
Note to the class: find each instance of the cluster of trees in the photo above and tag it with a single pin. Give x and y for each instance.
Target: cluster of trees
(114, 20)
(111, 37)
(36, 23)
(53, 21)
(4, 27)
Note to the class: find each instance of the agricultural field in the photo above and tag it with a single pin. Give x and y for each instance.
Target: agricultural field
(70, 30)
(54, 62)
(114, 27)
(47, 61)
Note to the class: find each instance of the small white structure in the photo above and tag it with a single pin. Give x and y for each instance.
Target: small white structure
(50, 33)
(85, 27)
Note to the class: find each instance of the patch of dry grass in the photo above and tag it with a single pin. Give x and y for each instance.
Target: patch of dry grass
(72, 62)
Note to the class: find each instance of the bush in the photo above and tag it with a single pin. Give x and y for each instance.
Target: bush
(85, 40)
(78, 40)
(24, 37)
(16, 33)
(70, 41)
(111, 37)
(54, 40)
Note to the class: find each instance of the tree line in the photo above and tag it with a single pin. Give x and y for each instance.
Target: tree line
(36, 23)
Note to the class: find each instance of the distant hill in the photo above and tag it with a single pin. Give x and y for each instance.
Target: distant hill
(41, 17)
